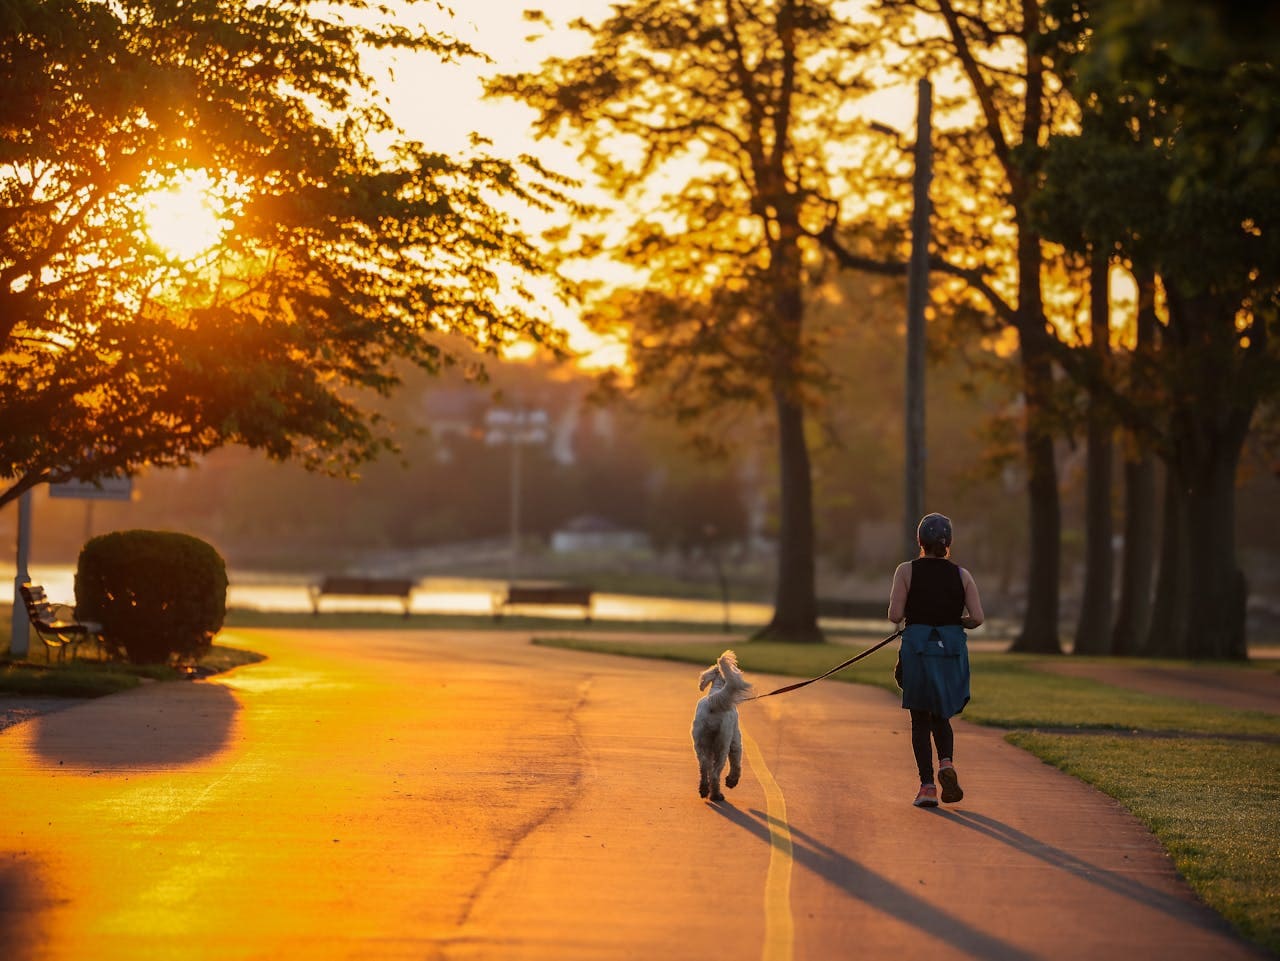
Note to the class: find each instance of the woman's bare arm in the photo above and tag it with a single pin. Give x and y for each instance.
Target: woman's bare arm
(972, 602)
(898, 595)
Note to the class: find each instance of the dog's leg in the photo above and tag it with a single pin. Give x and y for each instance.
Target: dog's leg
(716, 771)
(735, 760)
(704, 769)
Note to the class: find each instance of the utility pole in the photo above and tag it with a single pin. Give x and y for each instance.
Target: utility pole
(917, 300)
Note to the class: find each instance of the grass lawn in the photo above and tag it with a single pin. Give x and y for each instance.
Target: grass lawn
(1222, 825)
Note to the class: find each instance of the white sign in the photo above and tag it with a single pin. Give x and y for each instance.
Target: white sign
(504, 426)
(103, 489)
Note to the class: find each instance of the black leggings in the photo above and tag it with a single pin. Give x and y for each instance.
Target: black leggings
(926, 724)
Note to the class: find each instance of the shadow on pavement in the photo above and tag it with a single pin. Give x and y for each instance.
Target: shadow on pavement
(1113, 882)
(19, 914)
(167, 725)
(877, 891)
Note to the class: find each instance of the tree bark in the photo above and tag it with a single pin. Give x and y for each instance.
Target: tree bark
(1211, 414)
(1215, 627)
(1040, 620)
(1093, 628)
(1169, 609)
(1137, 565)
(1133, 614)
(795, 612)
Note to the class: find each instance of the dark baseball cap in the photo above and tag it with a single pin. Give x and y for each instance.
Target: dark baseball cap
(934, 529)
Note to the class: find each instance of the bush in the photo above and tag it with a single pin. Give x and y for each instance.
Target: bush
(159, 596)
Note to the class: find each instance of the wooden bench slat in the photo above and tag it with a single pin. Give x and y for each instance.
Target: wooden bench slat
(55, 632)
(551, 595)
(343, 585)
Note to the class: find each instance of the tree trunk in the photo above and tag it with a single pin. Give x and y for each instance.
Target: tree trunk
(1215, 616)
(1138, 562)
(795, 612)
(1211, 414)
(1169, 609)
(1040, 620)
(1137, 565)
(1093, 629)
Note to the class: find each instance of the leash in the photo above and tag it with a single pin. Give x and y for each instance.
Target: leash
(839, 667)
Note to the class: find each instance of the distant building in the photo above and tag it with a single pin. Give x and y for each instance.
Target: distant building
(588, 533)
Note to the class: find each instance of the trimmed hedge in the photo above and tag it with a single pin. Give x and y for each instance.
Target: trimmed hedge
(160, 596)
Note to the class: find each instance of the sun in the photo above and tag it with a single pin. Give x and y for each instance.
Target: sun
(185, 217)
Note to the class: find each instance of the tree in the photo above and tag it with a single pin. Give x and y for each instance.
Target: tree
(1193, 195)
(1093, 628)
(729, 114)
(1001, 258)
(344, 247)
(1137, 563)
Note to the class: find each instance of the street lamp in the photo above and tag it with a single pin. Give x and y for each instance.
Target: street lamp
(517, 427)
(917, 300)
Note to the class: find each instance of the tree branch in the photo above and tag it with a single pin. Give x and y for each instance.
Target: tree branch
(982, 89)
(975, 277)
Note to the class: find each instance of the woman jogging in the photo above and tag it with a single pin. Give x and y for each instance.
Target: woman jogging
(938, 600)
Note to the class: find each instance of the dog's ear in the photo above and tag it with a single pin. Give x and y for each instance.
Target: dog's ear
(709, 675)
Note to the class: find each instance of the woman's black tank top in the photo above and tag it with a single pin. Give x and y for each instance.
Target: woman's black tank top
(936, 595)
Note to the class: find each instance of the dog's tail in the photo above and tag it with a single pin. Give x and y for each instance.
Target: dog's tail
(735, 688)
(710, 674)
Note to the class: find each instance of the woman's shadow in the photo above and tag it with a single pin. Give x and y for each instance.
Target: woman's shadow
(871, 888)
(877, 891)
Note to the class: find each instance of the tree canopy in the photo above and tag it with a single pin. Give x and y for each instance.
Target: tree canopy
(346, 246)
(1174, 168)
(721, 130)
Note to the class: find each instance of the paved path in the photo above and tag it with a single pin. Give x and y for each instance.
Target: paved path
(434, 795)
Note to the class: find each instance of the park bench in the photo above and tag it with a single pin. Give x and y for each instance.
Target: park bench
(550, 595)
(346, 586)
(56, 624)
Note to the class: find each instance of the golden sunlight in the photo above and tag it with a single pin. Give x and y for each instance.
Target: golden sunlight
(185, 218)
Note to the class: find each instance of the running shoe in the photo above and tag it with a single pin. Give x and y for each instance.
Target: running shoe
(950, 783)
(927, 798)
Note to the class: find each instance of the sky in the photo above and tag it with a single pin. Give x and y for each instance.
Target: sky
(441, 104)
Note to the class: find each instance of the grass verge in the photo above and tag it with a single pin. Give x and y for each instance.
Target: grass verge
(38, 676)
(1222, 826)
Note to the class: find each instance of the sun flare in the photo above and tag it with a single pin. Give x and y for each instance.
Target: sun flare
(185, 218)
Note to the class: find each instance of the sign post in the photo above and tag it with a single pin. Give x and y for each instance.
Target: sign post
(21, 635)
(516, 427)
(104, 489)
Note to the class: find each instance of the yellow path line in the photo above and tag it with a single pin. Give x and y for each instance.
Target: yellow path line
(779, 928)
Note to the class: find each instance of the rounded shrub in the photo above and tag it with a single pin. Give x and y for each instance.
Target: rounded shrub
(160, 596)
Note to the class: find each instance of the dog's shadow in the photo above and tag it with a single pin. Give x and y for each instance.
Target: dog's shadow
(884, 895)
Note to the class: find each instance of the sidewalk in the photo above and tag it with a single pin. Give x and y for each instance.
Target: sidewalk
(14, 709)
(421, 795)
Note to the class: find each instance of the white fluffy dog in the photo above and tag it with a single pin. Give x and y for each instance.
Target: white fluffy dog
(716, 738)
